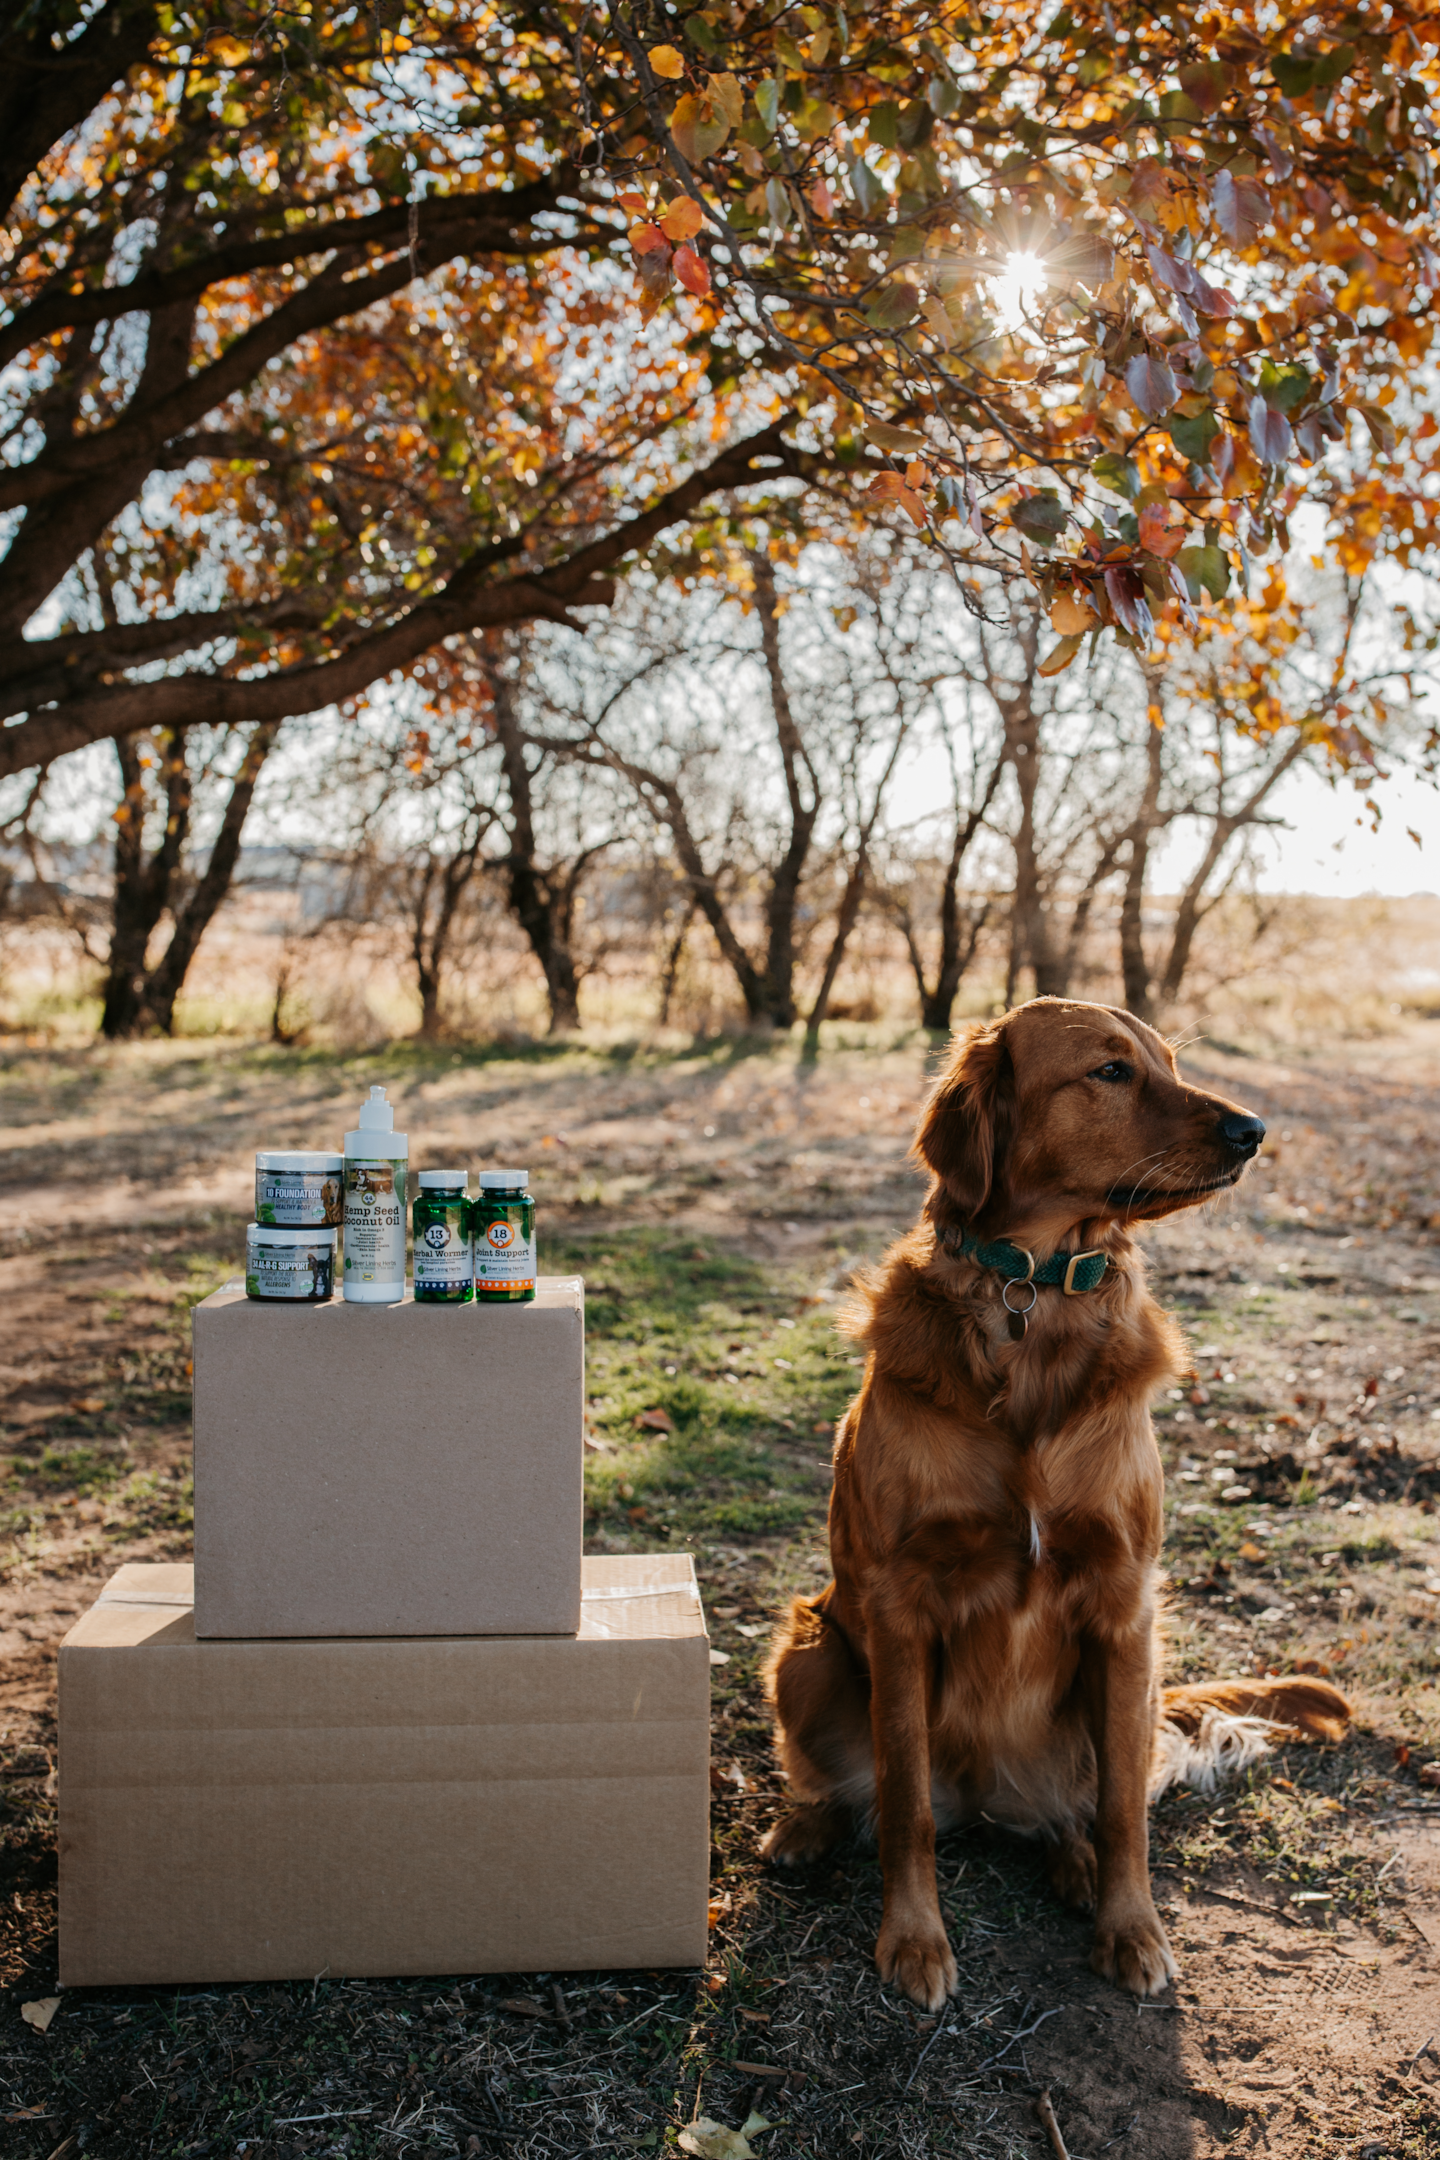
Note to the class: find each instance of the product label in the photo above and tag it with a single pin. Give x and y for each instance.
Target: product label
(504, 1257)
(299, 1199)
(288, 1271)
(442, 1255)
(374, 1220)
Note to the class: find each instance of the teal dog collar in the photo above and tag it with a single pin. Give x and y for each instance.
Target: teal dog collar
(1070, 1272)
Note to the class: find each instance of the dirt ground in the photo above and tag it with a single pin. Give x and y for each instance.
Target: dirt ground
(717, 1199)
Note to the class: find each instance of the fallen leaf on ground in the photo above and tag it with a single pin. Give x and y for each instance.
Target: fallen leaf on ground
(88, 1403)
(523, 2007)
(713, 2141)
(654, 1421)
(719, 1657)
(40, 2013)
(719, 1906)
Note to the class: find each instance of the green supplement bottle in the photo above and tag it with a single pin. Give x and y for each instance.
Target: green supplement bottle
(444, 1257)
(503, 1221)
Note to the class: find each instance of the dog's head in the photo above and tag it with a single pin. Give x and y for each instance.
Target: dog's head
(1062, 1113)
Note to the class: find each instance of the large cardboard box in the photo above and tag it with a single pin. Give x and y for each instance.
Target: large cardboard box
(274, 1810)
(389, 1469)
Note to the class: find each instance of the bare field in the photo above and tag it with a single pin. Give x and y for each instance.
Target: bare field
(716, 1198)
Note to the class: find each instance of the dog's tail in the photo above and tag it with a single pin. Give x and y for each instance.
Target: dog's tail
(1215, 1727)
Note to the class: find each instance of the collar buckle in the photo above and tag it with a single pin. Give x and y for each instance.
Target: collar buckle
(1069, 1285)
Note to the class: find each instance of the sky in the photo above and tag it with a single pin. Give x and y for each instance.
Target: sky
(1323, 850)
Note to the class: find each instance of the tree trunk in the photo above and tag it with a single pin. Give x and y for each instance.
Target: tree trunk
(776, 1004)
(957, 944)
(848, 913)
(1192, 910)
(167, 979)
(670, 974)
(537, 905)
(142, 886)
(937, 1005)
(846, 917)
(1031, 943)
(1134, 964)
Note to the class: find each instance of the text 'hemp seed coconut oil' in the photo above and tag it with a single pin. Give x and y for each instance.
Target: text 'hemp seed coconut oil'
(376, 1160)
(444, 1261)
(503, 1220)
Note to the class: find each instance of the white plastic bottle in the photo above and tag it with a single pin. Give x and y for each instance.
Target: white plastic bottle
(376, 1160)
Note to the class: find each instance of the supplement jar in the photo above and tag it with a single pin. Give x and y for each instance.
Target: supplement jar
(376, 1164)
(503, 1222)
(444, 1262)
(287, 1266)
(299, 1187)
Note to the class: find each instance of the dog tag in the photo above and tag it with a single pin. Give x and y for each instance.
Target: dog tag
(1017, 1322)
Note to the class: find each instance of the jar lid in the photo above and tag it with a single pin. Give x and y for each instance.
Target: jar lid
(442, 1180)
(299, 1159)
(257, 1233)
(503, 1180)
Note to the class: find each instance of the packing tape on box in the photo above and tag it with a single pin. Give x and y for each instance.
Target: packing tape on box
(685, 1590)
(181, 1598)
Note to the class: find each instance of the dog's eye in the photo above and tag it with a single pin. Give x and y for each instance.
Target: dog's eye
(1116, 1069)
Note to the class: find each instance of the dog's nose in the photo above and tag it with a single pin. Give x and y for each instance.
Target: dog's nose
(1241, 1133)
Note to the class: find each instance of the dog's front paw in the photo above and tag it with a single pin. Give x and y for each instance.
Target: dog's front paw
(806, 1833)
(1070, 1864)
(1135, 1954)
(919, 1960)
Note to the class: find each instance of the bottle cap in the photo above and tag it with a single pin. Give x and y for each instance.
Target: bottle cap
(312, 1159)
(376, 1136)
(441, 1180)
(264, 1233)
(503, 1180)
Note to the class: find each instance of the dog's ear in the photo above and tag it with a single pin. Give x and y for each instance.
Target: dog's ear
(965, 1127)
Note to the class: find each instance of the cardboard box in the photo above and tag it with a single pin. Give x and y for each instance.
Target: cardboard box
(389, 1469)
(274, 1810)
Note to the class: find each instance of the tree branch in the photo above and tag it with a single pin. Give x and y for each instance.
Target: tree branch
(467, 603)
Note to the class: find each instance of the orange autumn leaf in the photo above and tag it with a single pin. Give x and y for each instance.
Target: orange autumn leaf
(888, 487)
(646, 238)
(692, 272)
(1162, 528)
(665, 62)
(682, 220)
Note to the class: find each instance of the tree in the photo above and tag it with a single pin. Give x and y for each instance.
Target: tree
(755, 723)
(1085, 301)
(1318, 671)
(285, 465)
(140, 994)
(959, 928)
(1163, 262)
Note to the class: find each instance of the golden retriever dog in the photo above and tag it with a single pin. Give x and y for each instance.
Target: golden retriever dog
(989, 1644)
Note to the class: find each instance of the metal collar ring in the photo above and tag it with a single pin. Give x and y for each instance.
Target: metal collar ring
(1005, 1297)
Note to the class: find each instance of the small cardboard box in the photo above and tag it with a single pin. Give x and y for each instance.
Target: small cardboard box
(389, 1469)
(274, 1810)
